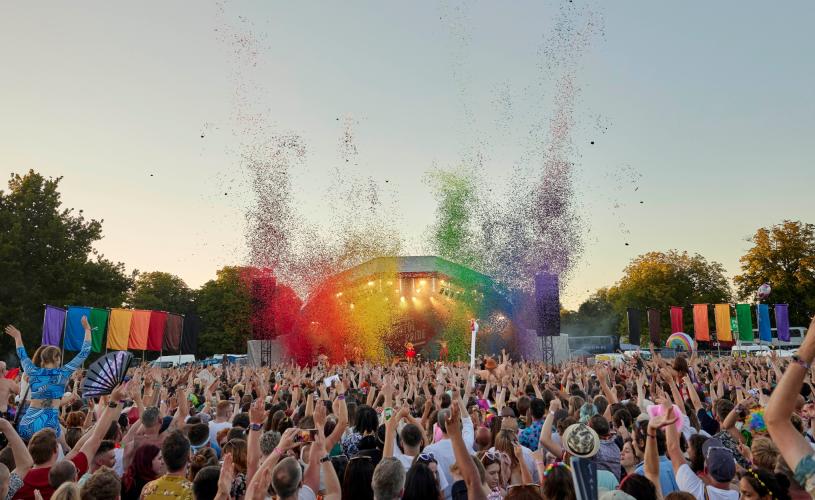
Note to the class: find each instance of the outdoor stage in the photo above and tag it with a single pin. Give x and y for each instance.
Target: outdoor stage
(372, 310)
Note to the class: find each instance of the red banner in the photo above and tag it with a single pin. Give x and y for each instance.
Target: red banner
(677, 324)
(155, 334)
(701, 326)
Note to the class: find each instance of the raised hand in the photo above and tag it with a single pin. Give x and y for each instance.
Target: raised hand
(85, 324)
(257, 412)
(454, 421)
(667, 418)
(226, 477)
(13, 332)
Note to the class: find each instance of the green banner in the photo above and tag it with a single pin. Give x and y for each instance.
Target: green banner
(99, 324)
(745, 320)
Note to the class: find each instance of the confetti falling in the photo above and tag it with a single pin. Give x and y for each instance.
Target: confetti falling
(509, 238)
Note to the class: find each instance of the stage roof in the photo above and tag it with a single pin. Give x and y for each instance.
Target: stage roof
(413, 265)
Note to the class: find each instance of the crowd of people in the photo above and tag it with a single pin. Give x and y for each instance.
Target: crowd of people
(691, 427)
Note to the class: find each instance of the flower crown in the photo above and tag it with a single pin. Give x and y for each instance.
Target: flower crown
(755, 475)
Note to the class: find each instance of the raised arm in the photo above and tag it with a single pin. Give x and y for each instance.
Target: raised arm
(257, 414)
(466, 467)
(793, 446)
(694, 396)
(341, 411)
(25, 361)
(22, 459)
(111, 413)
(74, 364)
(546, 430)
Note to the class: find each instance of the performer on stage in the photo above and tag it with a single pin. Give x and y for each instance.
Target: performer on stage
(443, 351)
(410, 352)
(47, 381)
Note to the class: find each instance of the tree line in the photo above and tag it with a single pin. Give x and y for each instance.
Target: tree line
(47, 256)
(782, 255)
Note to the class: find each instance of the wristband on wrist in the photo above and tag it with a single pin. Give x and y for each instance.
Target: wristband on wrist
(255, 427)
(278, 452)
(798, 360)
(325, 459)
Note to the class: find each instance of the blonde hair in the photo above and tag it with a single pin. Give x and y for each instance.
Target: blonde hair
(765, 453)
(67, 491)
(47, 354)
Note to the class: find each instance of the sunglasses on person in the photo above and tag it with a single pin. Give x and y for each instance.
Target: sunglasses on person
(427, 458)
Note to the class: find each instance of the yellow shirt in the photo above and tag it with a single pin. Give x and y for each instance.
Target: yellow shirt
(167, 486)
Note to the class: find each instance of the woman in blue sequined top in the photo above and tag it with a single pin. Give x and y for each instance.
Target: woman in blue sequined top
(47, 380)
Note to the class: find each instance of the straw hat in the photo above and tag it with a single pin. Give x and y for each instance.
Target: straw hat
(580, 440)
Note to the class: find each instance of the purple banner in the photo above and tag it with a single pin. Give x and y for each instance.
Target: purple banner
(782, 322)
(52, 325)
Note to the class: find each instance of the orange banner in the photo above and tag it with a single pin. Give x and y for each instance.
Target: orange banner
(701, 329)
(139, 328)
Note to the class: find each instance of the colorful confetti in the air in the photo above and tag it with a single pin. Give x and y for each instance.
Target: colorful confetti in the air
(507, 238)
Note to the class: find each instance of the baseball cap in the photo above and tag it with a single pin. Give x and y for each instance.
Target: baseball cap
(719, 461)
(580, 440)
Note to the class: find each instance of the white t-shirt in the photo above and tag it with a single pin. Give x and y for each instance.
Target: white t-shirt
(690, 482)
(215, 428)
(305, 493)
(443, 451)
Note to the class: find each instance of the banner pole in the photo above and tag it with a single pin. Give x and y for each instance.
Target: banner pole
(44, 317)
(181, 338)
(64, 329)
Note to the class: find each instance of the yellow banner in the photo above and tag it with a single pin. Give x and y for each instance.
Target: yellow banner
(119, 329)
(722, 314)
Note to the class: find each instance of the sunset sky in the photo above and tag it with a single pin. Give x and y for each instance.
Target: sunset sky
(704, 112)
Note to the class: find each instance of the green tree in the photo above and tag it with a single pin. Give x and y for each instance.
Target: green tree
(47, 257)
(782, 255)
(663, 279)
(595, 316)
(225, 307)
(162, 292)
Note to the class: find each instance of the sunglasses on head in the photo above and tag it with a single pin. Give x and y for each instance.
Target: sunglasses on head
(427, 458)
(496, 455)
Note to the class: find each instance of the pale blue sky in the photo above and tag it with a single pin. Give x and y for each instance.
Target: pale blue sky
(707, 107)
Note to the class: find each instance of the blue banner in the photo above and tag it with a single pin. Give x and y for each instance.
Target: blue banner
(764, 331)
(74, 332)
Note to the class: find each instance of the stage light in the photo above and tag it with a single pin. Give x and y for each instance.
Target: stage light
(352, 306)
(339, 294)
(422, 282)
(370, 283)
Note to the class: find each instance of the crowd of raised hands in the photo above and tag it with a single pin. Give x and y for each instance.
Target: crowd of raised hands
(708, 427)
